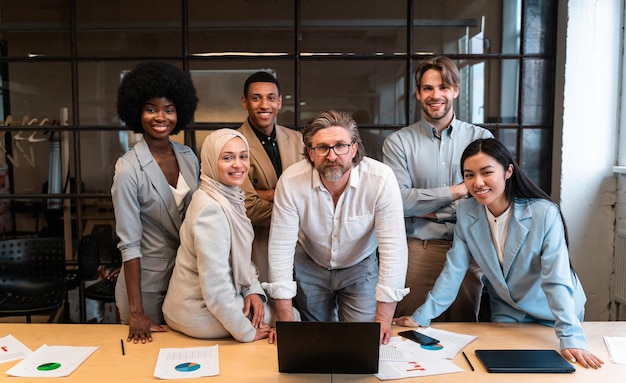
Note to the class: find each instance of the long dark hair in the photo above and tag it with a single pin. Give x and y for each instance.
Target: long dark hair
(518, 186)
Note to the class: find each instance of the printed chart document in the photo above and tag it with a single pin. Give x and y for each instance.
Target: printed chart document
(182, 363)
(617, 348)
(418, 367)
(51, 361)
(389, 351)
(12, 349)
(415, 360)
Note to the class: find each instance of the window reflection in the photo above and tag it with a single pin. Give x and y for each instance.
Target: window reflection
(537, 93)
(375, 87)
(339, 27)
(35, 28)
(241, 26)
(536, 156)
(141, 28)
(354, 56)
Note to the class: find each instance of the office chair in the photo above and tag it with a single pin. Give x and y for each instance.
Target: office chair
(32, 277)
(104, 289)
(87, 270)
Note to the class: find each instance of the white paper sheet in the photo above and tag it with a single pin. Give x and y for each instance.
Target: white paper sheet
(51, 361)
(617, 348)
(12, 349)
(182, 363)
(389, 352)
(419, 361)
(419, 367)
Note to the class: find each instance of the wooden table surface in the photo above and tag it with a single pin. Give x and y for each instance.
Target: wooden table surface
(257, 361)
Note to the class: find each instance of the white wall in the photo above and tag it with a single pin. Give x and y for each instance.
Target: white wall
(587, 94)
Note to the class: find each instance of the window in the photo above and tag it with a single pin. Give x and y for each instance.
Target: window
(355, 56)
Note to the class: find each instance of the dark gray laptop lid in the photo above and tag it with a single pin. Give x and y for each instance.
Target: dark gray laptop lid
(536, 361)
(328, 347)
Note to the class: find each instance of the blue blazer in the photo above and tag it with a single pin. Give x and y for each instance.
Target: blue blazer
(535, 282)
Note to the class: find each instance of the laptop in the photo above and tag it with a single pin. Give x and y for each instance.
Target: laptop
(537, 361)
(328, 347)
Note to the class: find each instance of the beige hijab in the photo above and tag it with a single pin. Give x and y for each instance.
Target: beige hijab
(232, 200)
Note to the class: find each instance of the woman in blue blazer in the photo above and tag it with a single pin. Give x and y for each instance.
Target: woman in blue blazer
(152, 188)
(517, 235)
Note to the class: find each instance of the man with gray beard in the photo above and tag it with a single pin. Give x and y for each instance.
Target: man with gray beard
(337, 229)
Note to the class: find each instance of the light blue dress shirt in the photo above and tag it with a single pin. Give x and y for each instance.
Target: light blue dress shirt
(426, 166)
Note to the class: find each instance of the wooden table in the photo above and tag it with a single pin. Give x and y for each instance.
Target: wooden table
(257, 362)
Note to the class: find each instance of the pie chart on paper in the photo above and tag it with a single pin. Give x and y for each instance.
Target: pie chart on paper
(48, 366)
(187, 367)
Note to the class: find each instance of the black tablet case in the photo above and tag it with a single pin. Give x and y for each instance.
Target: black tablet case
(533, 361)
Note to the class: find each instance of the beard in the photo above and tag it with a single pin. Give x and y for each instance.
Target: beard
(333, 174)
(438, 115)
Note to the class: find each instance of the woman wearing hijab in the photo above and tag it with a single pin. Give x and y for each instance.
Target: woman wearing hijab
(214, 291)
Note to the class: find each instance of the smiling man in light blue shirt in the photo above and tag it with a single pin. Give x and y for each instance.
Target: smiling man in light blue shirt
(425, 158)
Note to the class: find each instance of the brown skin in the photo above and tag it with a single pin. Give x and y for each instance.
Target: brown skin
(263, 102)
(140, 327)
(158, 119)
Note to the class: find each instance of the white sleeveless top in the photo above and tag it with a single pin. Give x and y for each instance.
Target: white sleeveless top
(180, 192)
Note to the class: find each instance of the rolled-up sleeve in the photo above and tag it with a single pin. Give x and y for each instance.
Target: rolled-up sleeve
(392, 243)
(282, 244)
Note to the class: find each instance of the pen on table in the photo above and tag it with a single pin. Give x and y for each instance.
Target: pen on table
(468, 361)
(124, 353)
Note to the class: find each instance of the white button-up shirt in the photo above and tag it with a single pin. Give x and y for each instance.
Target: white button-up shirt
(369, 214)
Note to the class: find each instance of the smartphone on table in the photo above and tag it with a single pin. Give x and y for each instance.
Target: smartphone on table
(418, 337)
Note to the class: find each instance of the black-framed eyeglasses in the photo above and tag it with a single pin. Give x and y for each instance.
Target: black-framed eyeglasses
(339, 149)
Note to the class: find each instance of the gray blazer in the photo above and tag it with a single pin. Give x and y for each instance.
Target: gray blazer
(146, 216)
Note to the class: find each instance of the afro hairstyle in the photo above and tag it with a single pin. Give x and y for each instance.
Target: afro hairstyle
(156, 79)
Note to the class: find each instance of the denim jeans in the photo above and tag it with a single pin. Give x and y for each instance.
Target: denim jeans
(347, 295)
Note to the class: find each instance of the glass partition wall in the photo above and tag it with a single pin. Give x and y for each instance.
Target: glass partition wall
(61, 62)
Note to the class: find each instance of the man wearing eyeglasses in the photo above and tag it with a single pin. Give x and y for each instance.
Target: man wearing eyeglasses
(332, 212)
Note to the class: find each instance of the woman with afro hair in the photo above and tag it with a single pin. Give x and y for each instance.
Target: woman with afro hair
(152, 187)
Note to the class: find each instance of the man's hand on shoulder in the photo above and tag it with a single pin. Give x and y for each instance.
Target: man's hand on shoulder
(458, 191)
